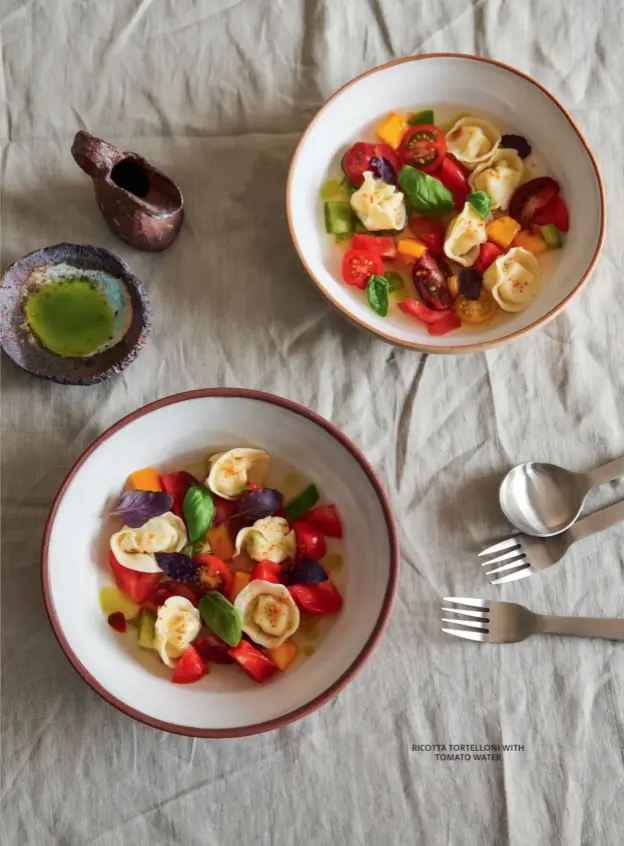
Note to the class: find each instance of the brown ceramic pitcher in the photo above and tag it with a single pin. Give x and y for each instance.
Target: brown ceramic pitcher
(140, 204)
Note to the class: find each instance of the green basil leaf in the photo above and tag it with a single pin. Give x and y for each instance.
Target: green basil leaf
(426, 116)
(481, 201)
(221, 617)
(300, 504)
(394, 280)
(199, 509)
(377, 293)
(426, 194)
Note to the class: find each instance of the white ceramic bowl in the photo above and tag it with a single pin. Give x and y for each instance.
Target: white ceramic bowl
(434, 80)
(74, 562)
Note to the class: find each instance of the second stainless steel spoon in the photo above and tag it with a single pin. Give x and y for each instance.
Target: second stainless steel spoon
(544, 499)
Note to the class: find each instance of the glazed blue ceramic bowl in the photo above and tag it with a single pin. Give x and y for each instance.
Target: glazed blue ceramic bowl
(113, 278)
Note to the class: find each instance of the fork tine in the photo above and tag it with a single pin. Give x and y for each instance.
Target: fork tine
(481, 615)
(518, 562)
(512, 577)
(515, 553)
(499, 547)
(482, 638)
(465, 600)
(475, 624)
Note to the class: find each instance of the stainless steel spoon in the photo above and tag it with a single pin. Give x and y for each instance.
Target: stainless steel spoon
(544, 499)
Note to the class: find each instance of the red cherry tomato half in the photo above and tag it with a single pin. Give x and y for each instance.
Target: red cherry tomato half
(259, 667)
(382, 244)
(165, 590)
(438, 322)
(556, 212)
(212, 648)
(177, 484)
(117, 621)
(224, 510)
(138, 586)
(326, 519)
(190, 668)
(268, 571)
(212, 574)
(319, 598)
(488, 253)
(424, 147)
(529, 198)
(310, 541)
(453, 176)
(430, 232)
(359, 265)
(430, 282)
(357, 160)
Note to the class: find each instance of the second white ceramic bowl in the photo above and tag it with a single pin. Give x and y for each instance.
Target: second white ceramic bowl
(431, 81)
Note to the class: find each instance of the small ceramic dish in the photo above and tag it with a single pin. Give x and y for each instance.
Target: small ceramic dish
(227, 703)
(460, 83)
(107, 274)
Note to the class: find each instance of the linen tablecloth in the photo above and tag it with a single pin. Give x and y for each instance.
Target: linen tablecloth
(216, 94)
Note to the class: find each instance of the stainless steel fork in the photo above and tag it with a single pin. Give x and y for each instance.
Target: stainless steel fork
(488, 621)
(524, 555)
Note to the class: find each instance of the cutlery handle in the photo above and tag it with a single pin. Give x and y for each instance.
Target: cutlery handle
(584, 626)
(607, 473)
(597, 522)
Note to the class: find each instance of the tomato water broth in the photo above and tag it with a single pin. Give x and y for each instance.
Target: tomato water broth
(446, 116)
(290, 482)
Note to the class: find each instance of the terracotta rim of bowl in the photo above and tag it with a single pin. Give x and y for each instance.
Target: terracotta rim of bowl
(464, 348)
(366, 650)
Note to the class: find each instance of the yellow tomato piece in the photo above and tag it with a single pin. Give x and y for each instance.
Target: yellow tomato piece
(145, 480)
(411, 248)
(476, 311)
(240, 580)
(392, 129)
(502, 231)
(221, 543)
(284, 655)
(113, 600)
(533, 243)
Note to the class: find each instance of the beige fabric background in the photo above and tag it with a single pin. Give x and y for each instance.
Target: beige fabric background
(217, 93)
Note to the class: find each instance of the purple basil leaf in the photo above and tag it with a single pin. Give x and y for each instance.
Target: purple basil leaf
(304, 572)
(137, 507)
(382, 169)
(517, 143)
(176, 565)
(469, 283)
(258, 504)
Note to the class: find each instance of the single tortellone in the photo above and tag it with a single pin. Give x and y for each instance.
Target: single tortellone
(177, 625)
(230, 471)
(473, 141)
(379, 205)
(499, 178)
(514, 279)
(269, 539)
(464, 236)
(136, 548)
(268, 613)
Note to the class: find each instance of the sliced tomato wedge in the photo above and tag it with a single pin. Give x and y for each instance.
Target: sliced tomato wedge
(326, 519)
(177, 484)
(165, 590)
(317, 598)
(268, 571)
(453, 176)
(212, 574)
(357, 160)
(424, 147)
(430, 232)
(254, 662)
(224, 510)
(529, 198)
(556, 212)
(190, 668)
(382, 244)
(212, 648)
(310, 541)
(359, 265)
(488, 253)
(438, 321)
(138, 586)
